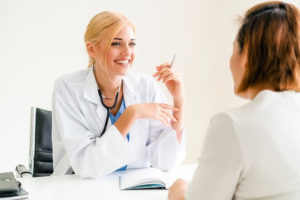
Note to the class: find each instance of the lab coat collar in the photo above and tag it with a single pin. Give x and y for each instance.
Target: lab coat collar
(90, 89)
(130, 88)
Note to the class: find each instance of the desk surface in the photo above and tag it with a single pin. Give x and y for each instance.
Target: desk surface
(72, 187)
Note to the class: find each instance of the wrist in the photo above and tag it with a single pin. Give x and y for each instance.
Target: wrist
(178, 102)
(179, 98)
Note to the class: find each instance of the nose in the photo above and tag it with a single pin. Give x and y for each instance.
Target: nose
(126, 51)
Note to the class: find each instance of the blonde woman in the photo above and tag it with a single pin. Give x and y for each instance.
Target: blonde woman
(106, 118)
(252, 152)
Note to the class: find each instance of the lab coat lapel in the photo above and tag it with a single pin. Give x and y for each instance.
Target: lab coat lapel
(90, 92)
(130, 89)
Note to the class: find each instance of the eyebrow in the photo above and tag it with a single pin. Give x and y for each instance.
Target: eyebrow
(122, 39)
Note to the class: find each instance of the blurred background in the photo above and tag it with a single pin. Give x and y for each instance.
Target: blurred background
(42, 40)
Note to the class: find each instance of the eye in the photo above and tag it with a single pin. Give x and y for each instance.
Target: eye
(132, 44)
(115, 44)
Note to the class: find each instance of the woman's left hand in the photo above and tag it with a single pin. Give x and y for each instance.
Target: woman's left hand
(177, 190)
(172, 79)
(174, 84)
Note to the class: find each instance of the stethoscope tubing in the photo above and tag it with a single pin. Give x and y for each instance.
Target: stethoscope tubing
(107, 109)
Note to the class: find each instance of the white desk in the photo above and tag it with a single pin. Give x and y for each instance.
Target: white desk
(71, 187)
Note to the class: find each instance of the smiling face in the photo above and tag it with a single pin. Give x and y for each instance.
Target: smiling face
(119, 55)
(121, 52)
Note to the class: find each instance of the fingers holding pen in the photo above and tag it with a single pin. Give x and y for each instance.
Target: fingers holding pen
(167, 74)
(162, 66)
(163, 71)
(160, 70)
(171, 78)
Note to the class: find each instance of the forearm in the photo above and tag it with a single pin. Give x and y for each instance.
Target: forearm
(126, 120)
(178, 125)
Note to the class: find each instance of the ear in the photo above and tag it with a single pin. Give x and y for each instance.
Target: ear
(90, 48)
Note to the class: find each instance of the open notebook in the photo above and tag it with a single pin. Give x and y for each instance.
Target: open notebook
(148, 178)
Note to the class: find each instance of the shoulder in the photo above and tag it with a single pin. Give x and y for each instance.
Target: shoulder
(74, 78)
(248, 120)
(266, 101)
(221, 121)
(224, 125)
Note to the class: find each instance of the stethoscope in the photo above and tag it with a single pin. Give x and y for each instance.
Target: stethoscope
(107, 107)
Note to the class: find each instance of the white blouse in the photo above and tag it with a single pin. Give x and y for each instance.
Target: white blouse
(252, 152)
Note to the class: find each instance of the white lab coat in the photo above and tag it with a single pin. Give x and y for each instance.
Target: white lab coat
(78, 118)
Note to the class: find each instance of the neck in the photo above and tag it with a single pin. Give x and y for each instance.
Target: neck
(251, 92)
(108, 85)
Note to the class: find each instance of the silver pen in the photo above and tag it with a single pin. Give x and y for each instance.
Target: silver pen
(172, 61)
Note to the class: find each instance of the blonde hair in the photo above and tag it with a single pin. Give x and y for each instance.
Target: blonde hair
(102, 28)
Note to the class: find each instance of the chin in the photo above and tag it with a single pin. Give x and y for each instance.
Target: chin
(122, 72)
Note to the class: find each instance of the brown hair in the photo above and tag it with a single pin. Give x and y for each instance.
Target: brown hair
(269, 37)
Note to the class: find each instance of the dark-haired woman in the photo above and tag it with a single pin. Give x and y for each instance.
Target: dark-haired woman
(253, 152)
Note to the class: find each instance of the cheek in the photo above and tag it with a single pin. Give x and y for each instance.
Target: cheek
(235, 70)
(233, 66)
(111, 54)
(133, 52)
(231, 63)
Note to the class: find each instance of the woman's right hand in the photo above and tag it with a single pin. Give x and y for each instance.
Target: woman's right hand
(158, 111)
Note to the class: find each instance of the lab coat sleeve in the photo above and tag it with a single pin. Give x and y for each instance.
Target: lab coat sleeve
(163, 149)
(88, 155)
(220, 164)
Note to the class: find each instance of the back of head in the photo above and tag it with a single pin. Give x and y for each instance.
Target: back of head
(103, 27)
(269, 37)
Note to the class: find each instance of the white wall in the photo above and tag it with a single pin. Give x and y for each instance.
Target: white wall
(41, 40)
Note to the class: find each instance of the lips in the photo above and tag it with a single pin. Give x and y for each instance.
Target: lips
(122, 61)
